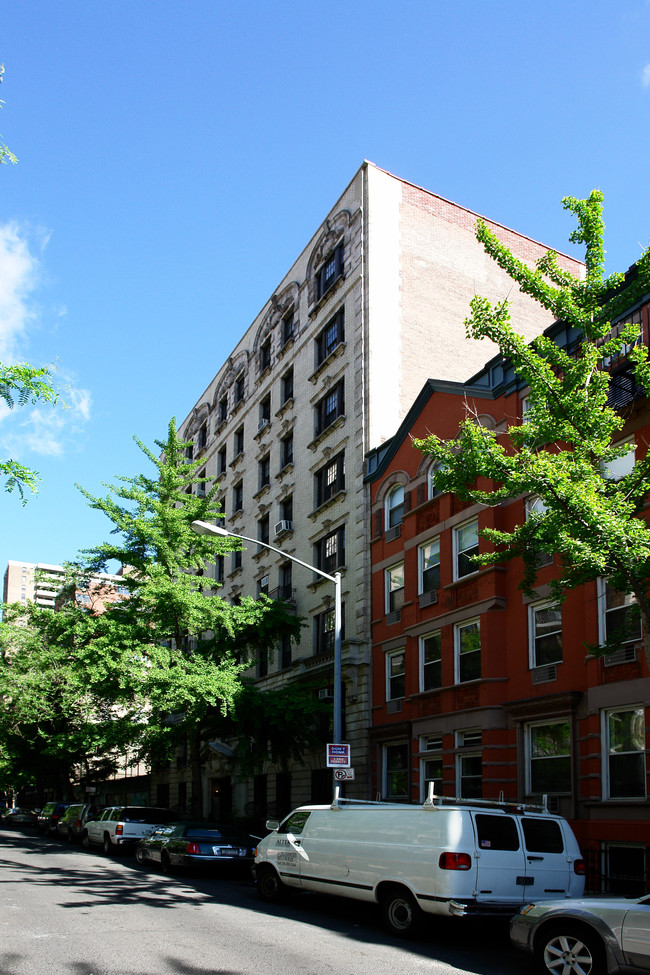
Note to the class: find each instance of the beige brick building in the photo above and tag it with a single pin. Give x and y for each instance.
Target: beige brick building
(372, 307)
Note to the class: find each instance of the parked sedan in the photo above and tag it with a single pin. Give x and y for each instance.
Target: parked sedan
(16, 817)
(196, 844)
(590, 936)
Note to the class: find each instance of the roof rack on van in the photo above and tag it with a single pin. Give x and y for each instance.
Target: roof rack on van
(434, 802)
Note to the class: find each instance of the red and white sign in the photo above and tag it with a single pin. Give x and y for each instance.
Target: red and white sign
(338, 756)
(343, 774)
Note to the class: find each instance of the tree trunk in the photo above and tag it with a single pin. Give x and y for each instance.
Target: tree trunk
(197, 780)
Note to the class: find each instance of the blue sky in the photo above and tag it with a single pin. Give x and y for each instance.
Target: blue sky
(175, 158)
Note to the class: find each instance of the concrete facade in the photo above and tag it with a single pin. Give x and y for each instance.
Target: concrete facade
(373, 305)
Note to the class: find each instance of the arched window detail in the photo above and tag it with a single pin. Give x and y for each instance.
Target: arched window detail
(394, 506)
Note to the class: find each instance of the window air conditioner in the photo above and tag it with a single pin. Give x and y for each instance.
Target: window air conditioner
(325, 694)
(283, 526)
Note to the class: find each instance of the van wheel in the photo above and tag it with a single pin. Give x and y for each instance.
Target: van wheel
(399, 911)
(269, 886)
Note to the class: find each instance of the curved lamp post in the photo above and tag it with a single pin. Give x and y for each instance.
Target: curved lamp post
(205, 528)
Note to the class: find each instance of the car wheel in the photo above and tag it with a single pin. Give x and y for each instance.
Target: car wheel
(165, 863)
(69, 836)
(85, 840)
(399, 911)
(570, 950)
(107, 845)
(269, 886)
(140, 856)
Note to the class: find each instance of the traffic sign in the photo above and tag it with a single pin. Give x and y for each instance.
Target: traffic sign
(338, 756)
(343, 774)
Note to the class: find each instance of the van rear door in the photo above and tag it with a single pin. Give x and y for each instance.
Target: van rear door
(500, 859)
(549, 870)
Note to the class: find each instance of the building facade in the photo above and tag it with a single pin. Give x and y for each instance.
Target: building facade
(373, 305)
(481, 690)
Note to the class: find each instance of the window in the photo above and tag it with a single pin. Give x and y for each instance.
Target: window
(285, 651)
(468, 651)
(329, 408)
(430, 662)
(236, 563)
(324, 625)
(288, 326)
(286, 508)
(286, 581)
(465, 546)
(238, 497)
(433, 470)
(620, 621)
(396, 764)
(265, 411)
(330, 551)
(286, 450)
(469, 765)
(625, 773)
(618, 467)
(263, 529)
(395, 675)
(221, 461)
(610, 361)
(263, 586)
(394, 581)
(189, 451)
(287, 386)
(330, 337)
(394, 506)
(429, 565)
(545, 629)
(431, 765)
(239, 387)
(330, 479)
(535, 508)
(219, 569)
(202, 438)
(264, 472)
(223, 409)
(329, 273)
(239, 441)
(549, 763)
(265, 354)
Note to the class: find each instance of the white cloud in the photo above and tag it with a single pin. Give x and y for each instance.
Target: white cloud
(19, 276)
(41, 429)
(645, 76)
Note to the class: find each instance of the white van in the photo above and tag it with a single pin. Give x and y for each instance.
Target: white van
(445, 857)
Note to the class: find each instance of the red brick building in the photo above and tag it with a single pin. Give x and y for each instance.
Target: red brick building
(475, 686)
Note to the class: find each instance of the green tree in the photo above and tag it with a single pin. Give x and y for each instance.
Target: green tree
(570, 434)
(20, 385)
(183, 648)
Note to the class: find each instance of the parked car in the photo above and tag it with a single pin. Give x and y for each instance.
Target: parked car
(119, 827)
(72, 823)
(589, 936)
(447, 857)
(49, 816)
(197, 845)
(12, 818)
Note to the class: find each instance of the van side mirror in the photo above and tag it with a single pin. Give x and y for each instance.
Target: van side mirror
(272, 824)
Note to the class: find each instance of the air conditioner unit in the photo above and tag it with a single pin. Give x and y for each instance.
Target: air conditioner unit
(325, 694)
(283, 526)
(264, 422)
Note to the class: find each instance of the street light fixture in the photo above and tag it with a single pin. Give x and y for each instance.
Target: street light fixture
(205, 528)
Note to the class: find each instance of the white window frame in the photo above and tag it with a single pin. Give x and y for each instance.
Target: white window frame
(614, 470)
(422, 641)
(392, 676)
(605, 738)
(602, 587)
(391, 506)
(388, 589)
(432, 490)
(432, 543)
(529, 753)
(533, 609)
(457, 551)
(466, 624)
(430, 754)
(467, 751)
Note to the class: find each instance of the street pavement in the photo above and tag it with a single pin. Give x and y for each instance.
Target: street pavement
(67, 911)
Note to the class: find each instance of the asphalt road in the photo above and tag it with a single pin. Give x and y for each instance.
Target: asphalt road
(66, 911)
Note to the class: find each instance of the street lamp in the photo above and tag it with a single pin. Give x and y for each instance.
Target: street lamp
(205, 528)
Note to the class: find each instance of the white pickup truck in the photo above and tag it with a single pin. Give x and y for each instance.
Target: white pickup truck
(123, 826)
